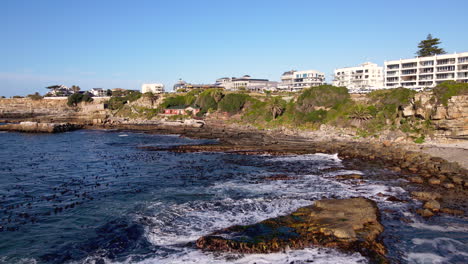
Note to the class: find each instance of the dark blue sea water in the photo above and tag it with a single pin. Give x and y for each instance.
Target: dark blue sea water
(97, 197)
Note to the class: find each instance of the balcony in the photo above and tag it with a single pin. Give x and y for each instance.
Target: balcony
(393, 67)
(426, 63)
(463, 60)
(409, 65)
(408, 72)
(446, 61)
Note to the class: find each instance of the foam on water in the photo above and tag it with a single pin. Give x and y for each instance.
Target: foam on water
(315, 255)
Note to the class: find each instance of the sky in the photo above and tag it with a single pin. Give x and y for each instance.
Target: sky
(123, 44)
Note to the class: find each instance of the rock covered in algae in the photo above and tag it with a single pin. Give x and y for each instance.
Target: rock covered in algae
(347, 224)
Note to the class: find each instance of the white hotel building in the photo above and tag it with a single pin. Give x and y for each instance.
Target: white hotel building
(155, 88)
(364, 78)
(297, 80)
(422, 72)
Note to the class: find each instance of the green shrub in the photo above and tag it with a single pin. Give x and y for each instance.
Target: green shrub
(327, 96)
(206, 100)
(35, 96)
(75, 99)
(444, 91)
(233, 103)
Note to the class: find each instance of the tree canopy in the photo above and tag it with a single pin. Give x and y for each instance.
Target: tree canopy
(429, 47)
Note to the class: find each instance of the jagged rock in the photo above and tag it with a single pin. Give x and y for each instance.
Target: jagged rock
(434, 181)
(452, 211)
(449, 185)
(349, 177)
(348, 224)
(457, 180)
(416, 179)
(432, 205)
(425, 212)
(426, 196)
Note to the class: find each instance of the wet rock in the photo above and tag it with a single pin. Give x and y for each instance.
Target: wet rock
(279, 177)
(416, 179)
(348, 224)
(426, 196)
(449, 185)
(452, 211)
(349, 177)
(425, 212)
(457, 180)
(432, 205)
(434, 181)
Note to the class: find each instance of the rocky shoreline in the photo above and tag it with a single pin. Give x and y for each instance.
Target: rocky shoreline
(422, 171)
(351, 225)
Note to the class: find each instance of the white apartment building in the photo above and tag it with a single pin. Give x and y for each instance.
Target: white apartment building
(246, 82)
(363, 78)
(422, 72)
(155, 88)
(297, 80)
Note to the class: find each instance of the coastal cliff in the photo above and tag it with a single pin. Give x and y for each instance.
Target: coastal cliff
(50, 110)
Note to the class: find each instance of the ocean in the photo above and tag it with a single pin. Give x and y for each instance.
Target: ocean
(97, 196)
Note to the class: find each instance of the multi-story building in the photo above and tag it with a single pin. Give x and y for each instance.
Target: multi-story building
(98, 92)
(363, 78)
(155, 88)
(247, 83)
(426, 72)
(297, 80)
(183, 86)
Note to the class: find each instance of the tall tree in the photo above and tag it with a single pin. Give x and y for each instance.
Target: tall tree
(75, 88)
(429, 47)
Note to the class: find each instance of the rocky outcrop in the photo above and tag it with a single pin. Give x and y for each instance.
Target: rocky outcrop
(351, 225)
(51, 110)
(450, 120)
(35, 127)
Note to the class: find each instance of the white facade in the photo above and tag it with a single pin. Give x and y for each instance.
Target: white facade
(298, 80)
(364, 78)
(152, 88)
(98, 92)
(246, 82)
(423, 72)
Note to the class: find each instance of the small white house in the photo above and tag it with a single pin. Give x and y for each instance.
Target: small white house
(155, 88)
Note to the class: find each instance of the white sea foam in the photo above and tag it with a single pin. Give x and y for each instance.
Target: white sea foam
(187, 222)
(425, 258)
(309, 255)
(123, 135)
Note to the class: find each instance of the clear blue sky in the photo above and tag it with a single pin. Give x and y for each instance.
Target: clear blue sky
(123, 44)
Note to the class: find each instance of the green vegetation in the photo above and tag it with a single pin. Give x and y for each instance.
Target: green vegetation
(444, 91)
(378, 111)
(233, 103)
(35, 96)
(119, 99)
(327, 96)
(429, 47)
(75, 99)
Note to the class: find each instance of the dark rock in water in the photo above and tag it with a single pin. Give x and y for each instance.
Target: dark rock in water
(347, 224)
(279, 177)
(349, 177)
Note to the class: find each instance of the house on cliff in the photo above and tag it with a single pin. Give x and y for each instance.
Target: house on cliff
(181, 110)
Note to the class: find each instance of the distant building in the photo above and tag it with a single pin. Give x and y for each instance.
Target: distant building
(181, 110)
(59, 90)
(184, 86)
(155, 88)
(98, 92)
(297, 80)
(246, 82)
(424, 72)
(364, 78)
